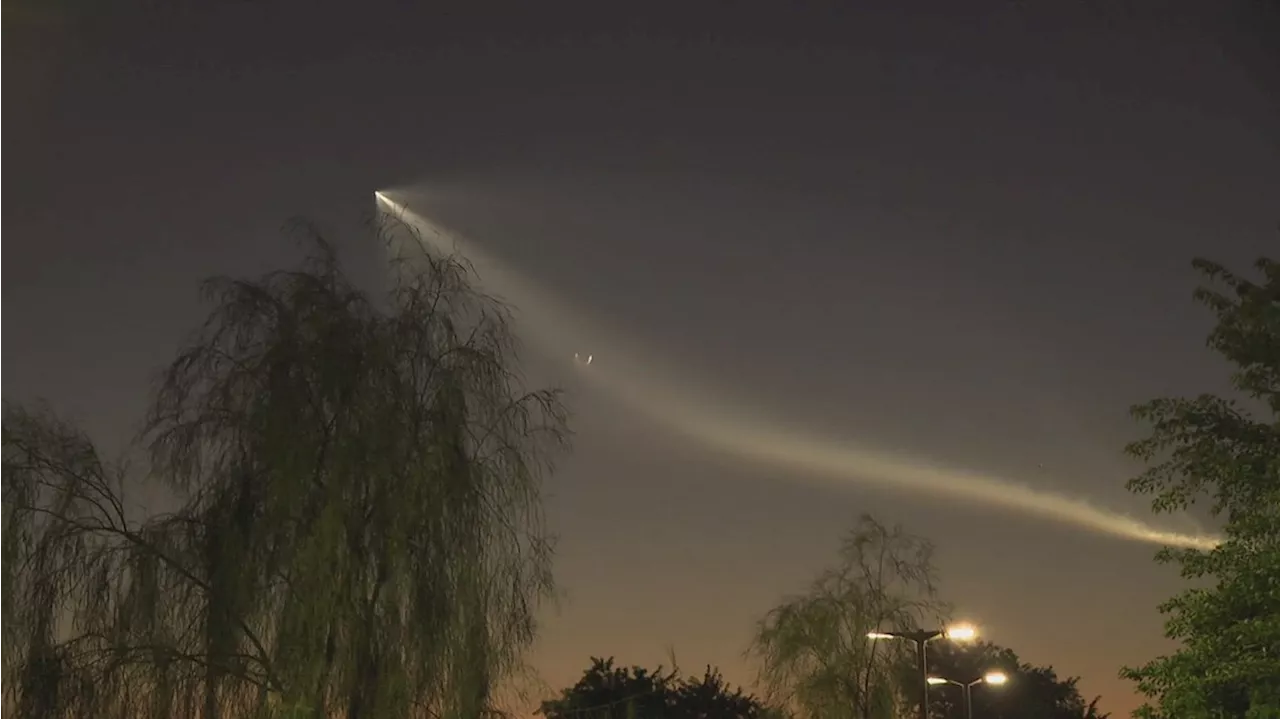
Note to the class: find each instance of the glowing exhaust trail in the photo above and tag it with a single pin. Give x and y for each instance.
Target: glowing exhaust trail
(618, 372)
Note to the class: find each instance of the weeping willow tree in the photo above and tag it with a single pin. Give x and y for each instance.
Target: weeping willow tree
(359, 530)
(814, 655)
(58, 494)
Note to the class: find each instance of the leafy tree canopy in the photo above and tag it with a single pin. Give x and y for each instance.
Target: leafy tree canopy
(606, 691)
(815, 657)
(1031, 692)
(1225, 451)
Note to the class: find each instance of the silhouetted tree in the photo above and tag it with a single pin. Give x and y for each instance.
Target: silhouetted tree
(1228, 452)
(813, 649)
(607, 691)
(1031, 692)
(711, 697)
(358, 532)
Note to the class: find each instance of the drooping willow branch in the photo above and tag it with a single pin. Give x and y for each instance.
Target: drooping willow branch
(358, 531)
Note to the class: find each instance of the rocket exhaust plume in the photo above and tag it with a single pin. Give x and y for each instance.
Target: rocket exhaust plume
(620, 372)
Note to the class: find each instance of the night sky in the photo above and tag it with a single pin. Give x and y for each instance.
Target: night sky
(956, 231)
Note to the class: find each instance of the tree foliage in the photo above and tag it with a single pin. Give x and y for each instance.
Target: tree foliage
(1031, 692)
(607, 691)
(1225, 450)
(711, 697)
(813, 650)
(358, 530)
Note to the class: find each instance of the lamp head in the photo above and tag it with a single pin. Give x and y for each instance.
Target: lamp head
(995, 678)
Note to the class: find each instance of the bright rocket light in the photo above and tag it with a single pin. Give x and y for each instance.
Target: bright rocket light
(672, 404)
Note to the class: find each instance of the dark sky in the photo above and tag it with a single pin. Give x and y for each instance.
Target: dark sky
(957, 231)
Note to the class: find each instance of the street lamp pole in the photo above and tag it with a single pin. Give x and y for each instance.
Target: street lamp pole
(921, 662)
(993, 678)
(922, 637)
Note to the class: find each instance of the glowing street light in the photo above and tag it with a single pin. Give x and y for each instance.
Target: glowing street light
(992, 678)
(956, 632)
(921, 637)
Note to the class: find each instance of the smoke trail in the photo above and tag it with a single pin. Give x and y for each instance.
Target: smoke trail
(618, 371)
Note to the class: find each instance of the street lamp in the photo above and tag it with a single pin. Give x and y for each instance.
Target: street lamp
(921, 637)
(993, 678)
